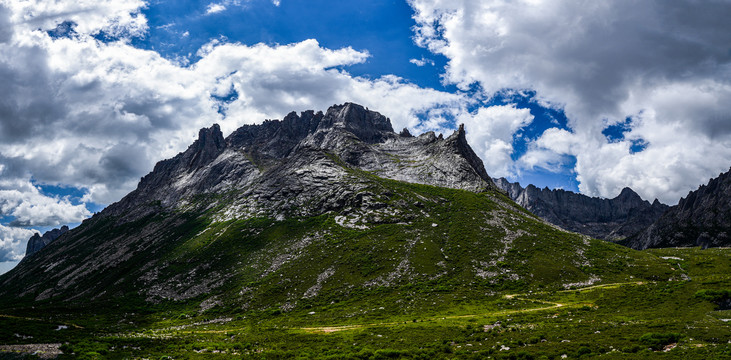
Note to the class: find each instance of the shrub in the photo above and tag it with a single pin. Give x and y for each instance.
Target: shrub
(714, 296)
(584, 351)
(657, 341)
(387, 353)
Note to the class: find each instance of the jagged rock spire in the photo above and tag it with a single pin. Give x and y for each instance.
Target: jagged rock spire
(37, 242)
(458, 140)
(209, 145)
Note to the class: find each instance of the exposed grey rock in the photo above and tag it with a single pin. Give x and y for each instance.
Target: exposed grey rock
(609, 219)
(703, 218)
(290, 161)
(37, 242)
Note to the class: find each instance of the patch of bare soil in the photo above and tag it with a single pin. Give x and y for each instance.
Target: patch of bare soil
(43, 351)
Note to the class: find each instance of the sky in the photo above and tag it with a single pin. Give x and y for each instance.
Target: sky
(588, 96)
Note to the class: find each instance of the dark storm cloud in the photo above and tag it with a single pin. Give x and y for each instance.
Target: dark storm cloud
(28, 101)
(595, 50)
(6, 26)
(123, 161)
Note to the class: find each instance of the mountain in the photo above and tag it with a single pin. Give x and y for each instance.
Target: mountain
(608, 219)
(37, 242)
(703, 218)
(313, 209)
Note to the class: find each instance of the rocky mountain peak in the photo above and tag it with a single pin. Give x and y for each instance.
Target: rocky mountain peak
(281, 158)
(209, 145)
(37, 242)
(369, 126)
(628, 194)
(702, 218)
(458, 141)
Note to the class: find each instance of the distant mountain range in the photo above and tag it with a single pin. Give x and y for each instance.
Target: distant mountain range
(608, 219)
(702, 218)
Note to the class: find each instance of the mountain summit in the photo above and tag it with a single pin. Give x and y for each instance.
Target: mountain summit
(288, 162)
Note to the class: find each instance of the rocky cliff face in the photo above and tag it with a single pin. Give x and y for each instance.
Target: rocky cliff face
(283, 165)
(703, 218)
(37, 242)
(609, 219)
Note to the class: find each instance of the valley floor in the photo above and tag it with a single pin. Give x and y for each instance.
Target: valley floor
(640, 319)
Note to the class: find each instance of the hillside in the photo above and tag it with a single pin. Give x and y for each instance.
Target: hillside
(608, 219)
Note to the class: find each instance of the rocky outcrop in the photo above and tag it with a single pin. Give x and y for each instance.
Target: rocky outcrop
(303, 153)
(703, 218)
(37, 242)
(609, 219)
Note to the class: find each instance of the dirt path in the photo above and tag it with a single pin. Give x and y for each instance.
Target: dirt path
(602, 286)
(36, 319)
(552, 305)
(20, 317)
(43, 351)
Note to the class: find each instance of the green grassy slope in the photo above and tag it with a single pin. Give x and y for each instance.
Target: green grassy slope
(402, 236)
(629, 320)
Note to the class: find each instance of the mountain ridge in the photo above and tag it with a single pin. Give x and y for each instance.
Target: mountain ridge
(263, 243)
(610, 219)
(701, 218)
(251, 149)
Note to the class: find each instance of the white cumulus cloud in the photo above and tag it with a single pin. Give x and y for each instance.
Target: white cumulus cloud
(30, 207)
(422, 62)
(490, 132)
(114, 17)
(213, 8)
(665, 64)
(13, 241)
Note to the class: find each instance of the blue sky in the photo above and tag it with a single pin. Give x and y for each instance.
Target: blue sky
(590, 97)
(383, 28)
